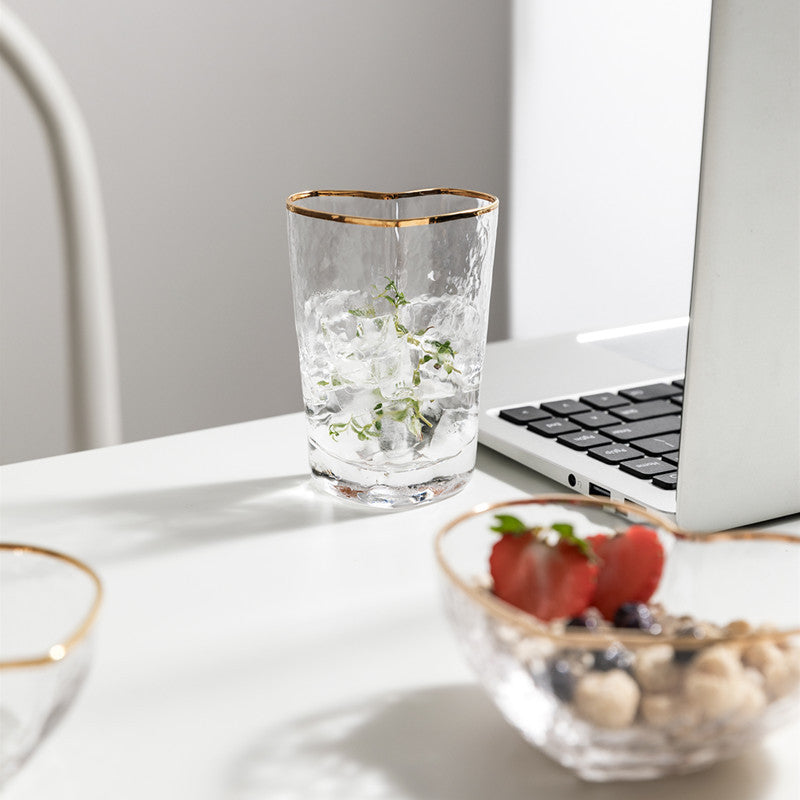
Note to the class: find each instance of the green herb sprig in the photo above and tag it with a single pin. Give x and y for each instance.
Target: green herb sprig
(406, 407)
(508, 524)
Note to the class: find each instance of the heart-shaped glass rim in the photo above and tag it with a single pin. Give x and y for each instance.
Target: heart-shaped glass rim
(576, 637)
(491, 204)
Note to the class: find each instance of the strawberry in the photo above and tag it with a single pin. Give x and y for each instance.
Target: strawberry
(630, 568)
(548, 580)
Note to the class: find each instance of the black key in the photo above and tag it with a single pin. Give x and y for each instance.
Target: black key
(656, 445)
(564, 408)
(643, 429)
(522, 415)
(603, 400)
(582, 440)
(645, 467)
(677, 399)
(672, 458)
(552, 427)
(669, 480)
(614, 453)
(653, 391)
(678, 383)
(593, 419)
(646, 410)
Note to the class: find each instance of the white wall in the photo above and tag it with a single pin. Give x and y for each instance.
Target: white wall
(607, 122)
(205, 116)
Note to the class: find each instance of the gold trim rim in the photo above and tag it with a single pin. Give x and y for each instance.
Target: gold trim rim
(528, 624)
(58, 651)
(378, 222)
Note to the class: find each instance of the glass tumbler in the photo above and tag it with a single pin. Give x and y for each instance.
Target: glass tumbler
(391, 298)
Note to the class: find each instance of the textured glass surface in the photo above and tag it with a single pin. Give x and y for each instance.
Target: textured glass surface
(45, 602)
(391, 326)
(630, 705)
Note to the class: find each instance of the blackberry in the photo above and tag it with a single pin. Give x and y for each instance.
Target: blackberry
(586, 621)
(562, 680)
(613, 657)
(564, 669)
(635, 615)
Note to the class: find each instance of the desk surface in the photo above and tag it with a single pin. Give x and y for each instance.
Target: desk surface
(259, 640)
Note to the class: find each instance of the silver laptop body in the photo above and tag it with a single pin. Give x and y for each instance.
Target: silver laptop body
(739, 459)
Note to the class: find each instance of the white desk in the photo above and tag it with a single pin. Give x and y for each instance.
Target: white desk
(259, 640)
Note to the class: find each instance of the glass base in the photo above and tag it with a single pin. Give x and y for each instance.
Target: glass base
(393, 487)
(378, 495)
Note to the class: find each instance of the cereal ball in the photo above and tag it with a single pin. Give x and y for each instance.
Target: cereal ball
(793, 660)
(656, 670)
(607, 699)
(761, 654)
(780, 679)
(780, 668)
(752, 675)
(792, 656)
(713, 696)
(753, 702)
(668, 711)
(719, 660)
(739, 627)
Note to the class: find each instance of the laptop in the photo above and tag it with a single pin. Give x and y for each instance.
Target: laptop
(695, 419)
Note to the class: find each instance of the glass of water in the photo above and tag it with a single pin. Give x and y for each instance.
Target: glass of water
(391, 298)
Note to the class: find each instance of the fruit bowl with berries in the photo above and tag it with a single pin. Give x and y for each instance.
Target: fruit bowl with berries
(622, 647)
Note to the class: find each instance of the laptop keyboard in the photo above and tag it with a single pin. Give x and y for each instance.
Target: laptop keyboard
(636, 429)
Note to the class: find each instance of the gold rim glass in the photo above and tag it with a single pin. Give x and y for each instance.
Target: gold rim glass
(391, 313)
(391, 209)
(784, 550)
(50, 603)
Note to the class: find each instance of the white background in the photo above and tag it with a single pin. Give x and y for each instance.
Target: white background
(206, 115)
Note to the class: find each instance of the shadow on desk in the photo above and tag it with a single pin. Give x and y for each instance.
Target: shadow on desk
(511, 472)
(445, 743)
(126, 524)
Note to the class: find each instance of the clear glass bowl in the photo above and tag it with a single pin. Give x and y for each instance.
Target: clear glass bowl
(48, 604)
(619, 704)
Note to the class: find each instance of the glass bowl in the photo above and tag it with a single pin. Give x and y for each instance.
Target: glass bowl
(48, 604)
(718, 668)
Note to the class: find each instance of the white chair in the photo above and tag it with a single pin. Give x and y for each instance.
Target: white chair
(93, 352)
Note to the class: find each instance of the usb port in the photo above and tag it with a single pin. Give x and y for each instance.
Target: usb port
(599, 491)
(634, 503)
